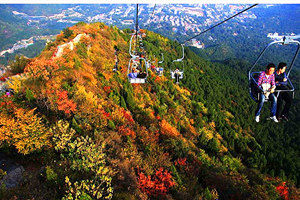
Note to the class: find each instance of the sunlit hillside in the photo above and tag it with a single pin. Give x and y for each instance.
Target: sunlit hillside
(82, 131)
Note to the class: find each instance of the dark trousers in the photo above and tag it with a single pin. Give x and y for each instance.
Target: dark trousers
(177, 77)
(287, 97)
(142, 75)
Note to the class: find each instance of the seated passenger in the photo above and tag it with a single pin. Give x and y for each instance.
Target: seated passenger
(161, 70)
(177, 75)
(133, 74)
(267, 78)
(282, 84)
(153, 68)
(142, 74)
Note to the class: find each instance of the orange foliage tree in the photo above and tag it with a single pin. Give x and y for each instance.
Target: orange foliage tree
(168, 129)
(41, 68)
(24, 130)
(120, 116)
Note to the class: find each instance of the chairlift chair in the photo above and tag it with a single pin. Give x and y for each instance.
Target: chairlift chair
(180, 72)
(254, 90)
(135, 62)
(115, 69)
(160, 69)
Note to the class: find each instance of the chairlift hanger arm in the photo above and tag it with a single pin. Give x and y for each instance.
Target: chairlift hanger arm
(260, 55)
(180, 59)
(270, 44)
(162, 55)
(295, 56)
(137, 22)
(130, 46)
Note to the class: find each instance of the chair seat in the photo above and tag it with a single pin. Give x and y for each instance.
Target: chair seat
(180, 73)
(137, 80)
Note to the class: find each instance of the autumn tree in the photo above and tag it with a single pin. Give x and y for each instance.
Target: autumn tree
(24, 130)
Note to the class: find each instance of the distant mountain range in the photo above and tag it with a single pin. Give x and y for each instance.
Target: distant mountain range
(243, 36)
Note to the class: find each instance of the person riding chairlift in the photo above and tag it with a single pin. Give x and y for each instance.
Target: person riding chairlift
(177, 75)
(153, 67)
(281, 81)
(266, 82)
(133, 74)
(160, 71)
(115, 69)
(142, 74)
(9, 92)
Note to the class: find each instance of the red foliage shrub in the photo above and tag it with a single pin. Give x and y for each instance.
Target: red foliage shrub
(3, 79)
(157, 79)
(41, 68)
(127, 116)
(64, 103)
(192, 168)
(180, 161)
(106, 114)
(282, 189)
(126, 131)
(107, 89)
(6, 104)
(157, 184)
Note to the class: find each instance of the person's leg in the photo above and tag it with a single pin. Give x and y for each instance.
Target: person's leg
(260, 104)
(279, 105)
(287, 96)
(273, 98)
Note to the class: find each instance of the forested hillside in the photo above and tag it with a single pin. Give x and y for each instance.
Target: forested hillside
(84, 132)
(13, 28)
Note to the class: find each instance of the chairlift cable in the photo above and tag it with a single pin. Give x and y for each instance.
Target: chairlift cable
(136, 26)
(221, 22)
(151, 16)
(131, 77)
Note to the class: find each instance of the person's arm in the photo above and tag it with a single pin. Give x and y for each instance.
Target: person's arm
(273, 85)
(285, 78)
(260, 78)
(273, 81)
(282, 81)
